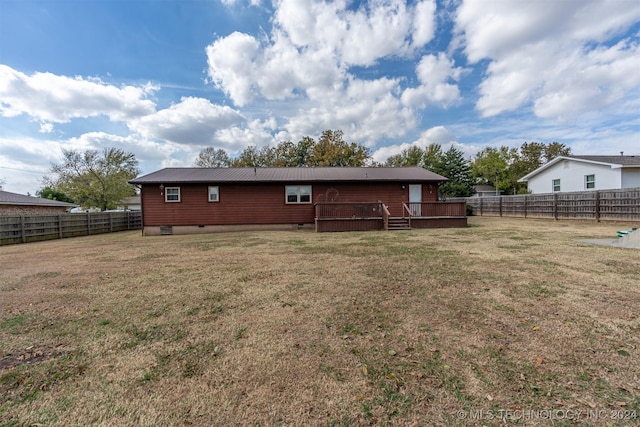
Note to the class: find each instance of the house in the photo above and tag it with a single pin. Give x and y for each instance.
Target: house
(18, 204)
(580, 173)
(195, 200)
(483, 190)
(129, 204)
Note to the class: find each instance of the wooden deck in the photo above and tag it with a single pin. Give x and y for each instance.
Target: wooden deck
(344, 216)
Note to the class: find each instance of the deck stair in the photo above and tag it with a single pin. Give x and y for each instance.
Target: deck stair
(399, 223)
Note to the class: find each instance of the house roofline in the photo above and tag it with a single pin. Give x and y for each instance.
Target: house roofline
(575, 159)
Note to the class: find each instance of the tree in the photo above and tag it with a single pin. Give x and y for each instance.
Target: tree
(503, 167)
(332, 150)
(95, 179)
(456, 168)
(212, 158)
(412, 156)
(250, 157)
(556, 149)
(53, 194)
(2, 181)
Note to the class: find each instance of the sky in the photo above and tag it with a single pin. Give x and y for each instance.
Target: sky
(165, 79)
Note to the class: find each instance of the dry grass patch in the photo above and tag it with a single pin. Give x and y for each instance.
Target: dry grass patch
(299, 328)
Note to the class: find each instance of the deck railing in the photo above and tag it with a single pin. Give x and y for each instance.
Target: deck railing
(385, 216)
(436, 209)
(344, 210)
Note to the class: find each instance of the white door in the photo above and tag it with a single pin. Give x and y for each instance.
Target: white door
(415, 198)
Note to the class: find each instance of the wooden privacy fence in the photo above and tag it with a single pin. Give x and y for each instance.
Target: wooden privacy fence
(32, 228)
(600, 205)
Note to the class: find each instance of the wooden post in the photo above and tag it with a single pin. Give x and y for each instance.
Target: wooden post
(88, 223)
(60, 226)
(500, 208)
(555, 206)
(525, 205)
(597, 206)
(110, 222)
(481, 205)
(22, 230)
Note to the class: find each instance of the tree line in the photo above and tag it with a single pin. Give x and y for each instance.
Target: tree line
(100, 179)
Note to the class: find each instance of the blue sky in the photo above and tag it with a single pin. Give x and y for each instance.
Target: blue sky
(164, 79)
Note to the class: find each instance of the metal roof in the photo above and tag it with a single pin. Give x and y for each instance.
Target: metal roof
(7, 198)
(300, 174)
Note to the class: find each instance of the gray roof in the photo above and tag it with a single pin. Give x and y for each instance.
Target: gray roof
(301, 174)
(613, 161)
(7, 198)
(618, 160)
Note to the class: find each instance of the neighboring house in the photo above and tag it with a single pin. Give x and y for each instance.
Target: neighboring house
(192, 200)
(129, 204)
(13, 203)
(580, 173)
(486, 191)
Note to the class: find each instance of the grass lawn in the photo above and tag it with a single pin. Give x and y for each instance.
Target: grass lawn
(506, 321)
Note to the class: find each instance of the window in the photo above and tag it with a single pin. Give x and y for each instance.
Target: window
(556, 185)
(298, 193)
(172, 194)
(213, 194)
(589, 182)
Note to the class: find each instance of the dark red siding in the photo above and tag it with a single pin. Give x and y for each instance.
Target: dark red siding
(265, 203)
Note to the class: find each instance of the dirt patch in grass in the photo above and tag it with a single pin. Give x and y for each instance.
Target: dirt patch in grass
(489, 325)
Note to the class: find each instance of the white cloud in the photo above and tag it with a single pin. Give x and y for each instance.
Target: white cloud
(192, 121)
(367, 110)
(58, 99)
(307, 58)
(434, 73)
(558, 56)
(256, 133)
(231, 65)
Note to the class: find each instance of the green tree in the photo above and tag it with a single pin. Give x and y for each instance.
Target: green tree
(412, 156)
(249, 157)
(332, 150)
(457, 169)
(53, 194)
(491, 166)
(212, 158)
(93, 178)
(556, 149)
(432, 157)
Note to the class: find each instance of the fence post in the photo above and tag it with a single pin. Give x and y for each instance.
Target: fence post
(525, 205)
(110, 222)
(500, 208)
(597, 206)
(22, 230)
(481, 205)
(88, 223)
(555, 206)
(60, 226)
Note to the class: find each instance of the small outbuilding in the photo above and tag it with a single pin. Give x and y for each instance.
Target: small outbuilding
(196, 200)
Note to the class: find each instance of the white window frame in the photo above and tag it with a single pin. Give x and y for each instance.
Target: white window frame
(166, 194)
(299, 193)
(216, 192)
(553, 185)
(591, 182)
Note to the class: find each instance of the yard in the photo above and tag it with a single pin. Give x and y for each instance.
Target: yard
(507, 321)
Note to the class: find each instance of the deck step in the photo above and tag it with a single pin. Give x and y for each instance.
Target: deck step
(398, 223)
